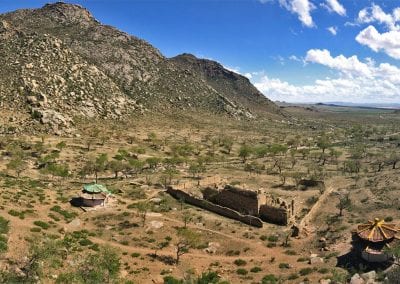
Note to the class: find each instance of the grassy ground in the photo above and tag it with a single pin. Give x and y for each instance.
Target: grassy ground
(345, 149)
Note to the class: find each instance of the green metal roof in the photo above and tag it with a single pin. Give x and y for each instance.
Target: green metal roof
(95, 188)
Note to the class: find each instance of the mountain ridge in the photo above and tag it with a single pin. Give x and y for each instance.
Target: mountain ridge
(132, 68)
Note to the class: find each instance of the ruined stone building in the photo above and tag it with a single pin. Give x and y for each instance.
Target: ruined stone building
(250, 202)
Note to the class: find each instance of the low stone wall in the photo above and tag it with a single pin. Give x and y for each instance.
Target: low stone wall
(272, 214)
(223, 211)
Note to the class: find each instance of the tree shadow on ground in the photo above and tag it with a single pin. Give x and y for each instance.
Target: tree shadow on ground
(166, 259)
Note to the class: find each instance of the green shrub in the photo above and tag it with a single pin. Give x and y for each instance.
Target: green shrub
(14, 213)
(66, 214)
(323, 270)
(42, 224)
(4, 225)
(284, 265)
(293, 276)
(240, 262)
(172, 280)
(256, 269)
(241, 271)
(36, 230)
(85, 242)
(273, 238)
(269, 279)
(290, 252)
(305, 271)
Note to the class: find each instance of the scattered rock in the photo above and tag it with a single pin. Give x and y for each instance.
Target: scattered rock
(156, 224)
(212, 247)
(156, 200)
(369, 277)
(356, 279)
(316, 260)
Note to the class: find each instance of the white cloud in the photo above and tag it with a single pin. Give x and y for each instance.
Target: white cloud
(232, 69)
(376, 14)
(248, 75)
(388, 42)
(295, 58)
(347, 65)
(333, 30)
(335, 6)
(302, 8)
(357, 81)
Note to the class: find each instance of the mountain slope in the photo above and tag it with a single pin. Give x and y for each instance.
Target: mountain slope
(232, 85)
(128, 70)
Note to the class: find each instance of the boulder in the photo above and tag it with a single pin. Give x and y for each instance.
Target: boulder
(356, 279)
(316, 260)
(369, 277)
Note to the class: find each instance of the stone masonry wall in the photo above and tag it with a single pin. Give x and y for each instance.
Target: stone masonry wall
(243, 201)
(273, 214)
(221, 210)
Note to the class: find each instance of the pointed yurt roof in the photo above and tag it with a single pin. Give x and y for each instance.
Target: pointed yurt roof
(377, 231)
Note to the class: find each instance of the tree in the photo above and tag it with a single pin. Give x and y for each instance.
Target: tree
(116, 166)
(344, 203)
(323, 143)
(18, 165)
(186, 239)
(276, 149)
(143, 208)
(393, 159)
(136, 165)
(57, 170)
(153, 162)
(244, 152)
(102, 267)
(100, 164)
(186, 217)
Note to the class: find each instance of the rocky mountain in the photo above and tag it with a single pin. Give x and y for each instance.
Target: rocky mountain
(59, 62)
(232, 85)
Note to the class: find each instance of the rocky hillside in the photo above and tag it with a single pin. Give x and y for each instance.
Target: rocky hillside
(230, 84)
(60, 62)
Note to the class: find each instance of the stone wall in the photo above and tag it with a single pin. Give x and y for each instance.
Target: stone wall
(221, 210)
(273, 214)
(244, 201)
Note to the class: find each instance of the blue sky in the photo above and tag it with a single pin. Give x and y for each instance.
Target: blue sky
(283, 46)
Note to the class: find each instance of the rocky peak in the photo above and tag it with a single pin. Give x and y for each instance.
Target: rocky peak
(68, 13)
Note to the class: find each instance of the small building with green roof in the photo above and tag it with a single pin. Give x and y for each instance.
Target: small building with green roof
(94, 195)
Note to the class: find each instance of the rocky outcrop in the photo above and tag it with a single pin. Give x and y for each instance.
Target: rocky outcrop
(54, 85)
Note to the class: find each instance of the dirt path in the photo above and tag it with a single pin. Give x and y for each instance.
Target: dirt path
(305, 222)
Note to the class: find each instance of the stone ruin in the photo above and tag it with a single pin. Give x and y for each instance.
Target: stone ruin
(248, 202)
